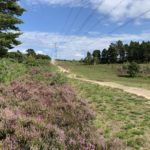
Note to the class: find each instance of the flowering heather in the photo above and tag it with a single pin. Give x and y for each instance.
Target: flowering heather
(42, 116)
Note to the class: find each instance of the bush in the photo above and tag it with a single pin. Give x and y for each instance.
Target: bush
(58, 79)
(9, 70)
(145, 71)
(30, 60)
(130, 69)
(18, 56)
(43, 116)
(133, 69)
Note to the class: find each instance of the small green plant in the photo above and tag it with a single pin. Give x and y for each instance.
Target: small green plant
(133, 69)
(30, 60)
(58, 79)
(9, 70)
(129, 69)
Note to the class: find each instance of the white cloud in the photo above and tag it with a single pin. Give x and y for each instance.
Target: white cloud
(123, 8)
(72, 47)
(55, 2)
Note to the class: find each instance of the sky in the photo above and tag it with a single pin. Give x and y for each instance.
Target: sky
(67, 29)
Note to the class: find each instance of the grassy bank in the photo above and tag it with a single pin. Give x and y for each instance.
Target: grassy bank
(39, 110)
(106, 73)
(119, 115)
(11, 70)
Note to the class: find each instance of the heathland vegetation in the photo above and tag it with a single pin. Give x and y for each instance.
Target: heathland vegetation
(41, 109)
(132, 54)
(109, 73)
(38, 109)
(120, 116)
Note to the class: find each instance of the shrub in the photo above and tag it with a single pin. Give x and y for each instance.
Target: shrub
(133, 69)
(10, 70)
(58, 79)
(145, 71)
(45, 117)
(18, 56)
(130, 69)
(30, 60)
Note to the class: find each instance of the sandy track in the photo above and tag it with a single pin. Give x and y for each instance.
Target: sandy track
(133, 90)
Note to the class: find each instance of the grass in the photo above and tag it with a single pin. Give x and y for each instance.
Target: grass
(119, 114)
(39, 110)
(10, 70)
(106, 73)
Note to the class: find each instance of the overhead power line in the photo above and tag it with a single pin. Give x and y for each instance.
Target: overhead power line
(129, 21)
(123, 25)
(67, 19)
(126, 23)
(77, 16)
(89, 17)
(103, 17)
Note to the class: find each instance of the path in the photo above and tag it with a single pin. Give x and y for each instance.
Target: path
(133, 90)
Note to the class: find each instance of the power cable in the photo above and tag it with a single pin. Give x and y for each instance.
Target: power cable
(101, 19)
(76, 17)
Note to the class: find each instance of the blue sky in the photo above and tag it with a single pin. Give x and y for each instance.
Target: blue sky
(78, 26)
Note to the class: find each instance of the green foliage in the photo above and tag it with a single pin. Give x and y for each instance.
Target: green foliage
(31, 61)
(120, 48)
(31, 58)
(9, 12)
(121, 53)
(10, 70)
(112, 54)
(39, 115)
(96, 57)
(119, 114)
(145, 71)
(133, 69)
(104, 57)
(88, 60)
(16, 56)
(110, 73)
(31, 52)
(41, 56)
(58, 78)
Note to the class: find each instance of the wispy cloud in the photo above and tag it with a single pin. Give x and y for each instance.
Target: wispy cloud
(125, 8)
(72, 47)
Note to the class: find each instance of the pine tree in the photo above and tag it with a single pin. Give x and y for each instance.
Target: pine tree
(88, 60)
(96, 57)
(112, 53)
(121, 51)
(9, 31)
(104, 58)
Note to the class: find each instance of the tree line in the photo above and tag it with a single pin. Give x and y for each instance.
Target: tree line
(30, 54)
(120, 53)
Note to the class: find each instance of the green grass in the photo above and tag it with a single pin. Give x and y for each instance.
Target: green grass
(106, 73)
(10, 70)
(39, 110)
(118, 114)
